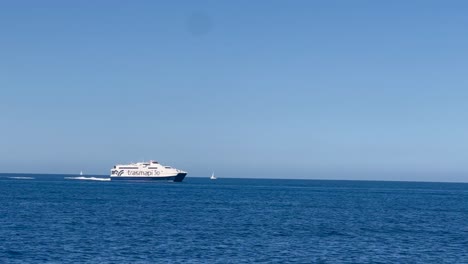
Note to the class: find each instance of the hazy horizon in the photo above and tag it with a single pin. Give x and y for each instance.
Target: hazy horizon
(354, 176)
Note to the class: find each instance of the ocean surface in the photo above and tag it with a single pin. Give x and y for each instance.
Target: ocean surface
(62, 219)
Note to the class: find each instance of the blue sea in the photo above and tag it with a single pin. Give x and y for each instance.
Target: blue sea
(54, 219)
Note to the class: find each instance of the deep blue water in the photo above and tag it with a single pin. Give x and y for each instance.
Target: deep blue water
(50, 219)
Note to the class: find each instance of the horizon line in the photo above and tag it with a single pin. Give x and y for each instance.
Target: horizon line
(247, 178)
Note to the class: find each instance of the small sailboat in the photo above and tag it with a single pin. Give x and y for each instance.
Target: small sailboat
(81, 173)
(213, 177)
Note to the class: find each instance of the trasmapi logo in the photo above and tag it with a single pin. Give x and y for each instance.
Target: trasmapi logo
(117, 172)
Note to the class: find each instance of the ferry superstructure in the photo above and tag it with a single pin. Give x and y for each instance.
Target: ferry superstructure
(151, 170)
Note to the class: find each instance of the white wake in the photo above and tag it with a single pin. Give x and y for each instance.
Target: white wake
(87, 178)
(22, 178)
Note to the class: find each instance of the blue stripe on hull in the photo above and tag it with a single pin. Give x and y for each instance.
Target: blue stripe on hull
(178, 178)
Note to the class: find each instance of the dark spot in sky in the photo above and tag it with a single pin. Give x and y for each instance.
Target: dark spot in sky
(199, 24)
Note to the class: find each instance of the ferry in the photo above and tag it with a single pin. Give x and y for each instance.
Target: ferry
(144, 171)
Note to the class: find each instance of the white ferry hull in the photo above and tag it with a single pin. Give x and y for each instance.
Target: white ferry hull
(176, 178)
(146, 171)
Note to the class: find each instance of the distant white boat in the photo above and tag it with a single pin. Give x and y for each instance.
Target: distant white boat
(81, 173)
(213, 177)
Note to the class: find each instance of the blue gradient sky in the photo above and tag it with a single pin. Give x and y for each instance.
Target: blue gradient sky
(290, 89)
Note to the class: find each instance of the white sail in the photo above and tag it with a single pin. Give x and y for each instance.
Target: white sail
(213, 177)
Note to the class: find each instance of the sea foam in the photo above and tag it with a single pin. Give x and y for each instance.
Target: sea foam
(87, 178)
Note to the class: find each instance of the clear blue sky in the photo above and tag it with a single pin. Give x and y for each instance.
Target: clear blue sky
(290, 89)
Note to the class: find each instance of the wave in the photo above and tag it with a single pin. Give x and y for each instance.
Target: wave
(22, 178)
(88, 178)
